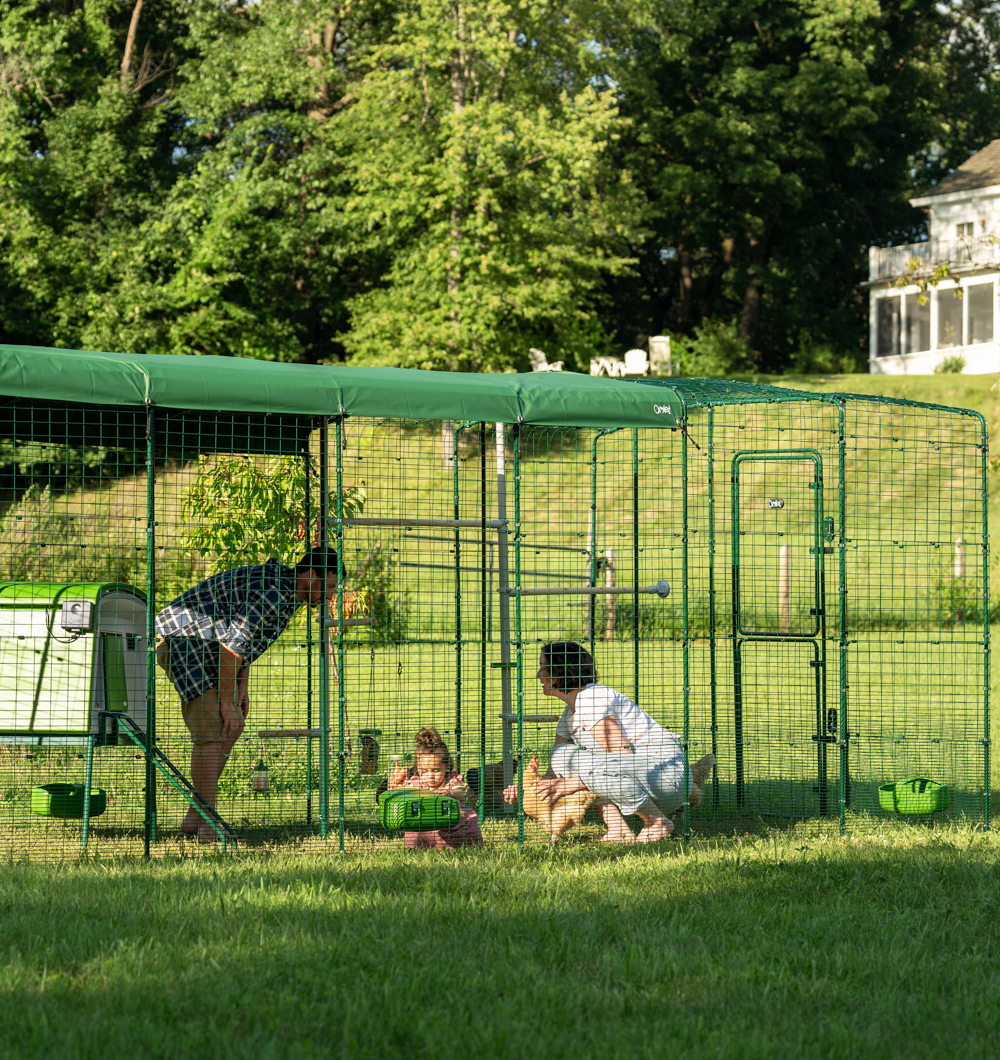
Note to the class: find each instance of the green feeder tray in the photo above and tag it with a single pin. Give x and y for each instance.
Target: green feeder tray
(916, 795)
(66, 800)
(417, 811)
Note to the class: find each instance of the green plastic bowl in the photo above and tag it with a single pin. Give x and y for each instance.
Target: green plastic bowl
(66, 800)
(915, 795)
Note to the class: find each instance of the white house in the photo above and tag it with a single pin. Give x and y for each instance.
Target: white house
(915, 326)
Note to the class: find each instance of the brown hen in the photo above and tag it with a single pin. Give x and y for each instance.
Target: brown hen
(558, 817)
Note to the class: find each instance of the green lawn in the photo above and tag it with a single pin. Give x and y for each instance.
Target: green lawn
(797, 946)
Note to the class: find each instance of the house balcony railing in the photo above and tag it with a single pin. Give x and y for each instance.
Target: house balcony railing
(892, 263)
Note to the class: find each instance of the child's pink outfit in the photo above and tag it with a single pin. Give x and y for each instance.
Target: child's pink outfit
(464, 834)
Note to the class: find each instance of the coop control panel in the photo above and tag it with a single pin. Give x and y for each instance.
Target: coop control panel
(77, 616)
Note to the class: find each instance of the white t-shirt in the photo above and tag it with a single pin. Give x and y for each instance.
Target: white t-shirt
(599, 701)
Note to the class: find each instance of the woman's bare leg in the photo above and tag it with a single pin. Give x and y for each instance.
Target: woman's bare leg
(700, 772)
(618, 829)
(656, 825)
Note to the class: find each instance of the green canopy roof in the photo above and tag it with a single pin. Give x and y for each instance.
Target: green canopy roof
(265, 407)
(232, 384)
(240, 388)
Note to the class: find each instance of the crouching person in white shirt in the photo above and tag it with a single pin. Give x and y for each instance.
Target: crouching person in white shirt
(606, 744)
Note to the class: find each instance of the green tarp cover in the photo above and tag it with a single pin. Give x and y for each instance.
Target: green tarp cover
(230, 384)
(245, 387)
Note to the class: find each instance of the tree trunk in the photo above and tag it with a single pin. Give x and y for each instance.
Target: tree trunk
(750, 317)
(714, 283)
(460, 63)
(133, 29)
(685, 319)
(751, 311)
(324, 42)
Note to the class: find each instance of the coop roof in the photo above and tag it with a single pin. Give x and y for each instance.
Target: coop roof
(243, 386)
(49, 594)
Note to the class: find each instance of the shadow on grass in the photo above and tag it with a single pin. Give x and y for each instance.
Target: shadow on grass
(767, 948)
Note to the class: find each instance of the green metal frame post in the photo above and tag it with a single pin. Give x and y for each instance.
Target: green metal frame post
(518, 645)
(324, 635)
(341, 690)
(88, 777)
(843, 779)
(635, 564)
(682, 421)
(458, 603)
(985, 452)
(149, 834)
(713, 683)
(503, 587)
(482, 628)
(458, 593)
(306, 462)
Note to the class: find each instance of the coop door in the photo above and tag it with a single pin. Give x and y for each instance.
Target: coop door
(777, 543)
(783, 734)
(782, 727)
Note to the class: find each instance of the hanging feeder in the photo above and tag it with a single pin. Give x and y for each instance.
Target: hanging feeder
(260, 779)
(369, 751)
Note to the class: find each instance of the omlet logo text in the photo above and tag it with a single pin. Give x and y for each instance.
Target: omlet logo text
(661, 409)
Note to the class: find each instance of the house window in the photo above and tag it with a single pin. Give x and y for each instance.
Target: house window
(949, 315)
(887, 327)
(965, 231)
(980, 301)
(918, 324)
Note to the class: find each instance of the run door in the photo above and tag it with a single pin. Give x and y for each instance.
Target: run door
(782, 727)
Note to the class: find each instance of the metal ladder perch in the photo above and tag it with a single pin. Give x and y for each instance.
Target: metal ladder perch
(172, 773)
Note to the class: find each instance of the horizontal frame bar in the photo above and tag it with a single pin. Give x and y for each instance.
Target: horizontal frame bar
(593, 590)
(454, 524)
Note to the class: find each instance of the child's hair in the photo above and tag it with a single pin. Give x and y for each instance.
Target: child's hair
(429, 742)
(569, 665)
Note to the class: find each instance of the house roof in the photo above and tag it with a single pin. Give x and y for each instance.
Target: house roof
(982, 170)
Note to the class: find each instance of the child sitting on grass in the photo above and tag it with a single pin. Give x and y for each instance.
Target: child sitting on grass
(433, 773)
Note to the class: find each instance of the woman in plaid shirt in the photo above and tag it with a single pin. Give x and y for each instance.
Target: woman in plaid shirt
(209, 637)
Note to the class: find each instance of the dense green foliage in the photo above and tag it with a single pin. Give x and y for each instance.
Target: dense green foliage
(438, 184)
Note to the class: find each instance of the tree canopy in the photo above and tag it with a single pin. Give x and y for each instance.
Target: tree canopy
(446, 183)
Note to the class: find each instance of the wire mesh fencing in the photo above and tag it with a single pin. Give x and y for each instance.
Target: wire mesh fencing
(793, 586)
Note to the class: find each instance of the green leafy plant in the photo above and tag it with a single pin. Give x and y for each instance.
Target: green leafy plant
(245, 510)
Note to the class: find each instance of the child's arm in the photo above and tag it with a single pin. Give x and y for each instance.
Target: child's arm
(458, 789)
(399, 775)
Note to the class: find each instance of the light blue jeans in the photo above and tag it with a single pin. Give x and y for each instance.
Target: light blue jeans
(654, 772)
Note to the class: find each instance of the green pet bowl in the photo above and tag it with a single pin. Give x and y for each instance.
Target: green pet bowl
(66, 800)
(916, 795)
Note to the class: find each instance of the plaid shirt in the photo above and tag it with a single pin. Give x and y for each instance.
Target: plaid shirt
(245, 610)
